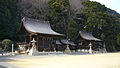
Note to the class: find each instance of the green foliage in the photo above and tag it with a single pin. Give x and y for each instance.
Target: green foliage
(92, 6)
(7, 44)
(59, 5)
(8, 19)
(73, 30)
(118, 39)
(95, 14)
(80, 19)
(111, 30)
(59, 10)
(60, 15)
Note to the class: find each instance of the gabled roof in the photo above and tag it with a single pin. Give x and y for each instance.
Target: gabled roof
(88, 36)
(64, 41)
(36, 26)
(58, 42)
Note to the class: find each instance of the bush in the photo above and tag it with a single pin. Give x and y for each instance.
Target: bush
(7, 44)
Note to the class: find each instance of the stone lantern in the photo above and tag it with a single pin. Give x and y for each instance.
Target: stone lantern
(33, 51)
(90, 49)
(67, 50)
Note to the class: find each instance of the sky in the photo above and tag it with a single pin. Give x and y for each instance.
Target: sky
(112, 4)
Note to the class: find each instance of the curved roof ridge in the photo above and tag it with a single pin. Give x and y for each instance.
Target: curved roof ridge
(38, 26)
(88, 36)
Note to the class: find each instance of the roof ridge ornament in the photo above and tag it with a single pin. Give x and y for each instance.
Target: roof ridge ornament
(33, 40)
(23, 20)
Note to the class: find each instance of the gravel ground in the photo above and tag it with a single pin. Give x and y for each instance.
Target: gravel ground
(107, 60)
(7, 65)
(4, 62)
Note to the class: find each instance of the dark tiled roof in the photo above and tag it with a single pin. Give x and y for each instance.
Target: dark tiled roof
(64, 41)
(37, 26)
(58, 42)
(88, 36)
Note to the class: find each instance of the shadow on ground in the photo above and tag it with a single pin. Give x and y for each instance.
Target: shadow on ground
(6, 59)
(3, 66)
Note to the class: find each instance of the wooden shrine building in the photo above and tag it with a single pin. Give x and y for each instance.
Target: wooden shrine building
(84, 39)
(40, 31)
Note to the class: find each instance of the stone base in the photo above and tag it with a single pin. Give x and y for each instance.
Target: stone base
(67, 50)
(33, 52)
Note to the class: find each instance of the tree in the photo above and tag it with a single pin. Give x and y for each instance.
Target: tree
(59, 13)
(80, 19)
(8, 19)
(118, 39)
(37, 9)
(7, 44)
(111, 31)
(118, 42)
(72, 30)
(62, 17)
(95, 14)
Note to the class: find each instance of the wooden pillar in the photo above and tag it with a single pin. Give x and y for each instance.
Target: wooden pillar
(43, 44)
(30, 37)
(37, 42)
(30, 41)
(25, 38)
(55, 45)
(51, 44)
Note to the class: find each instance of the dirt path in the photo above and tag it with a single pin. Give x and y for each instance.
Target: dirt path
(110, 60)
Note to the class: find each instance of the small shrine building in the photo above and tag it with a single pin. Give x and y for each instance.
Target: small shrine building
(85, 40)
